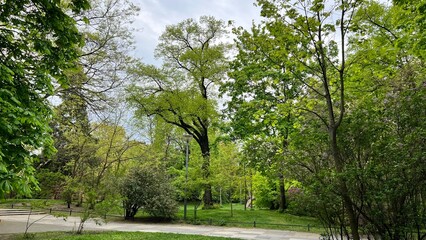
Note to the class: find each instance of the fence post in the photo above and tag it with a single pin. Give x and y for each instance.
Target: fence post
(50, 211)
(70, 211)
(309, 228)
(254, 223)
(12, 205)
(210, 221)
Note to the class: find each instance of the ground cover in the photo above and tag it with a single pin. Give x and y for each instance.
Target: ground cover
(240, 217)
(37, 203)
(110, 236)
(261, 218)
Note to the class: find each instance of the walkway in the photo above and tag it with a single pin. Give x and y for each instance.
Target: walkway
(16, 224)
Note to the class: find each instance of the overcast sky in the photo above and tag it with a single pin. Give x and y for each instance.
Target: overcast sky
(155, 15)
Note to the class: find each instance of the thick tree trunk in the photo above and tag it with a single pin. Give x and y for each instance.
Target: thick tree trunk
(207, 197)
(130, 212)
(283, 199)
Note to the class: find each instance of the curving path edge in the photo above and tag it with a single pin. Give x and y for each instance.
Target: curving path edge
(46, 223)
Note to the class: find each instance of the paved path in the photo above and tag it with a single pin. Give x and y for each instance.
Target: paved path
(16, 224)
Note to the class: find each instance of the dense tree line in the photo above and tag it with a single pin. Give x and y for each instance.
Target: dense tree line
(325, 111)
(342, 79)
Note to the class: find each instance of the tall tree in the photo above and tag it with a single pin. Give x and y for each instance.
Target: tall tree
(260, 109)
(182, 92)
(39, 41)
(104, 58)
(383, 136)
(96, 82)
(302, 35)
(357, 139)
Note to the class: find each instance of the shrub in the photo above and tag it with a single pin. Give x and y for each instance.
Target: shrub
(51, 184)
(300, 203)
(149, 189)
(266, 194)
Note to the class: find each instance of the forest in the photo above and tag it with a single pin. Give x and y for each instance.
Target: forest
(317, 110)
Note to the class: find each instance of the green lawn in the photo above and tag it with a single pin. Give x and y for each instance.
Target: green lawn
(262, 218)
(111, 236)
(25, 203)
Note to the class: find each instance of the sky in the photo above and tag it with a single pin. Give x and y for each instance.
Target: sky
(155, 15)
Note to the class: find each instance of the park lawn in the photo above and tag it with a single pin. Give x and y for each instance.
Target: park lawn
(112, 236)
(58, 206)
(262, 218)
(25, 203)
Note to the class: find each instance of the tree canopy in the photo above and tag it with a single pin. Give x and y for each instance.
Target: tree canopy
(182, 92)
(40, 43)
(325, 111)
(329, 65)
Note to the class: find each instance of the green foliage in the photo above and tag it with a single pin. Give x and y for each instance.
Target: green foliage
(104, 58)
(51, 184)
(225, 170)
(355, 133)
(265, 192)
(150, 189)
(94, 157)
(39, 42)
(181, 92)
(300, 203)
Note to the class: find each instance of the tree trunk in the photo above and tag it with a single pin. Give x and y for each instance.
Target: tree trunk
(130, 212)
(344, 192)
(283, 200)
(207, 198)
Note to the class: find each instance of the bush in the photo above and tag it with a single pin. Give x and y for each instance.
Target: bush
(298, 202)
(51, 184)
(266, 194)
(149, 189)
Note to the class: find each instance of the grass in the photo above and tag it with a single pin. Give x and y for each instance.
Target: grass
(25, 203)
(111, 236)
(260, 218)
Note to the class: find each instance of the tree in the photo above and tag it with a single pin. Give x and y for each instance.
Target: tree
(267, 156)
(150, 189)
(384, 131)
(104, 57)
(39, 42)
(353, 146)
(181, 93)
(261, 107)
(97, 160)
(412, 21)
(98, 156)
(101, 62)
(315, 64)
(70, 122)
(224, 167)
(92, 86)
